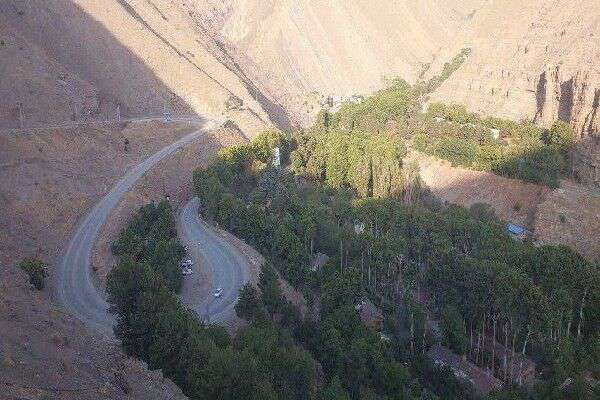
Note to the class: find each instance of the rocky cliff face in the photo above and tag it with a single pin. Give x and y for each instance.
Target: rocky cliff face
(337, 47)
(574, 99)
(535, 60)
(267, 61)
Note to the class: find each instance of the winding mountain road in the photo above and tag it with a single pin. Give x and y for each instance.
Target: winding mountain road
(228, 268)
(76, 290)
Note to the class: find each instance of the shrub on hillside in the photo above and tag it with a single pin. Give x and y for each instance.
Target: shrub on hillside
(36, 270)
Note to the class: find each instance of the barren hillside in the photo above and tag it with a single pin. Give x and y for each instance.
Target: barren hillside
(256, 63)
(49, 180)
(337, 47)
(94, 59)
(521, 52)
(536, 60)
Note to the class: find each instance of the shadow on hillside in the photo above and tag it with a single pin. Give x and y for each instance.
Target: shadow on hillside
(563, 215)
(586, 161)
(74, 38)
(512, 199)
(92, 53)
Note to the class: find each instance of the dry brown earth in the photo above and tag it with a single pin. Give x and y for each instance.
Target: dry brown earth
(49, 180)
(580, 206)
(540, 208)
(64, 60)
(338, 46)
(46, 354)
(513, 200)
(145, 57)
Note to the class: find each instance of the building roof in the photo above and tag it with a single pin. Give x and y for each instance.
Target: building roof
(482, 382)
(515, 229)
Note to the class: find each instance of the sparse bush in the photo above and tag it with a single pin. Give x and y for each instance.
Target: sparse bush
(562, 218)
(234, 103)
(36, 270)
(561, 136)
(517, 207)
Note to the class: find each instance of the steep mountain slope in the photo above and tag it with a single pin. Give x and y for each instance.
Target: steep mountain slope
(523, 52)
(138, 57)
(337, 47)
(46, 354)
(536, 60)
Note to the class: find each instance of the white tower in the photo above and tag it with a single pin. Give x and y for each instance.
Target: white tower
(277, 158)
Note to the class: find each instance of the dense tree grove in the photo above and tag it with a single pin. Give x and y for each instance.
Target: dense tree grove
(485, 288)
(288, 218)
(262, 362)
(439, 273)
(370, 165)
(519, 150)
(151, 238)
(396, 103)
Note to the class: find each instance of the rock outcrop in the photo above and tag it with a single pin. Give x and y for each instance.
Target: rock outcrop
(575, 100)
(548, 96)
(534, 60)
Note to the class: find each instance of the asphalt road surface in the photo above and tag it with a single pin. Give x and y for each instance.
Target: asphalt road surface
(226, 267)
(75, 286)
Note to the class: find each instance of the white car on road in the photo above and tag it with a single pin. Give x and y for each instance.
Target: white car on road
(186, 271)
(219, 292)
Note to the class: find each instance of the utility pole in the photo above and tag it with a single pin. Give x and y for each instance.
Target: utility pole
(21, 116)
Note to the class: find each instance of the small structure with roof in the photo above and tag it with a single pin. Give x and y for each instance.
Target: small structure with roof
(483, 383)
(516, 231)
(318, 261)
(370, 314)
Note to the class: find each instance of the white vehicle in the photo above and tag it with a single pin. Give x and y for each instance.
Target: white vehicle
(219, 292)
(187, 263)
(186, 271)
